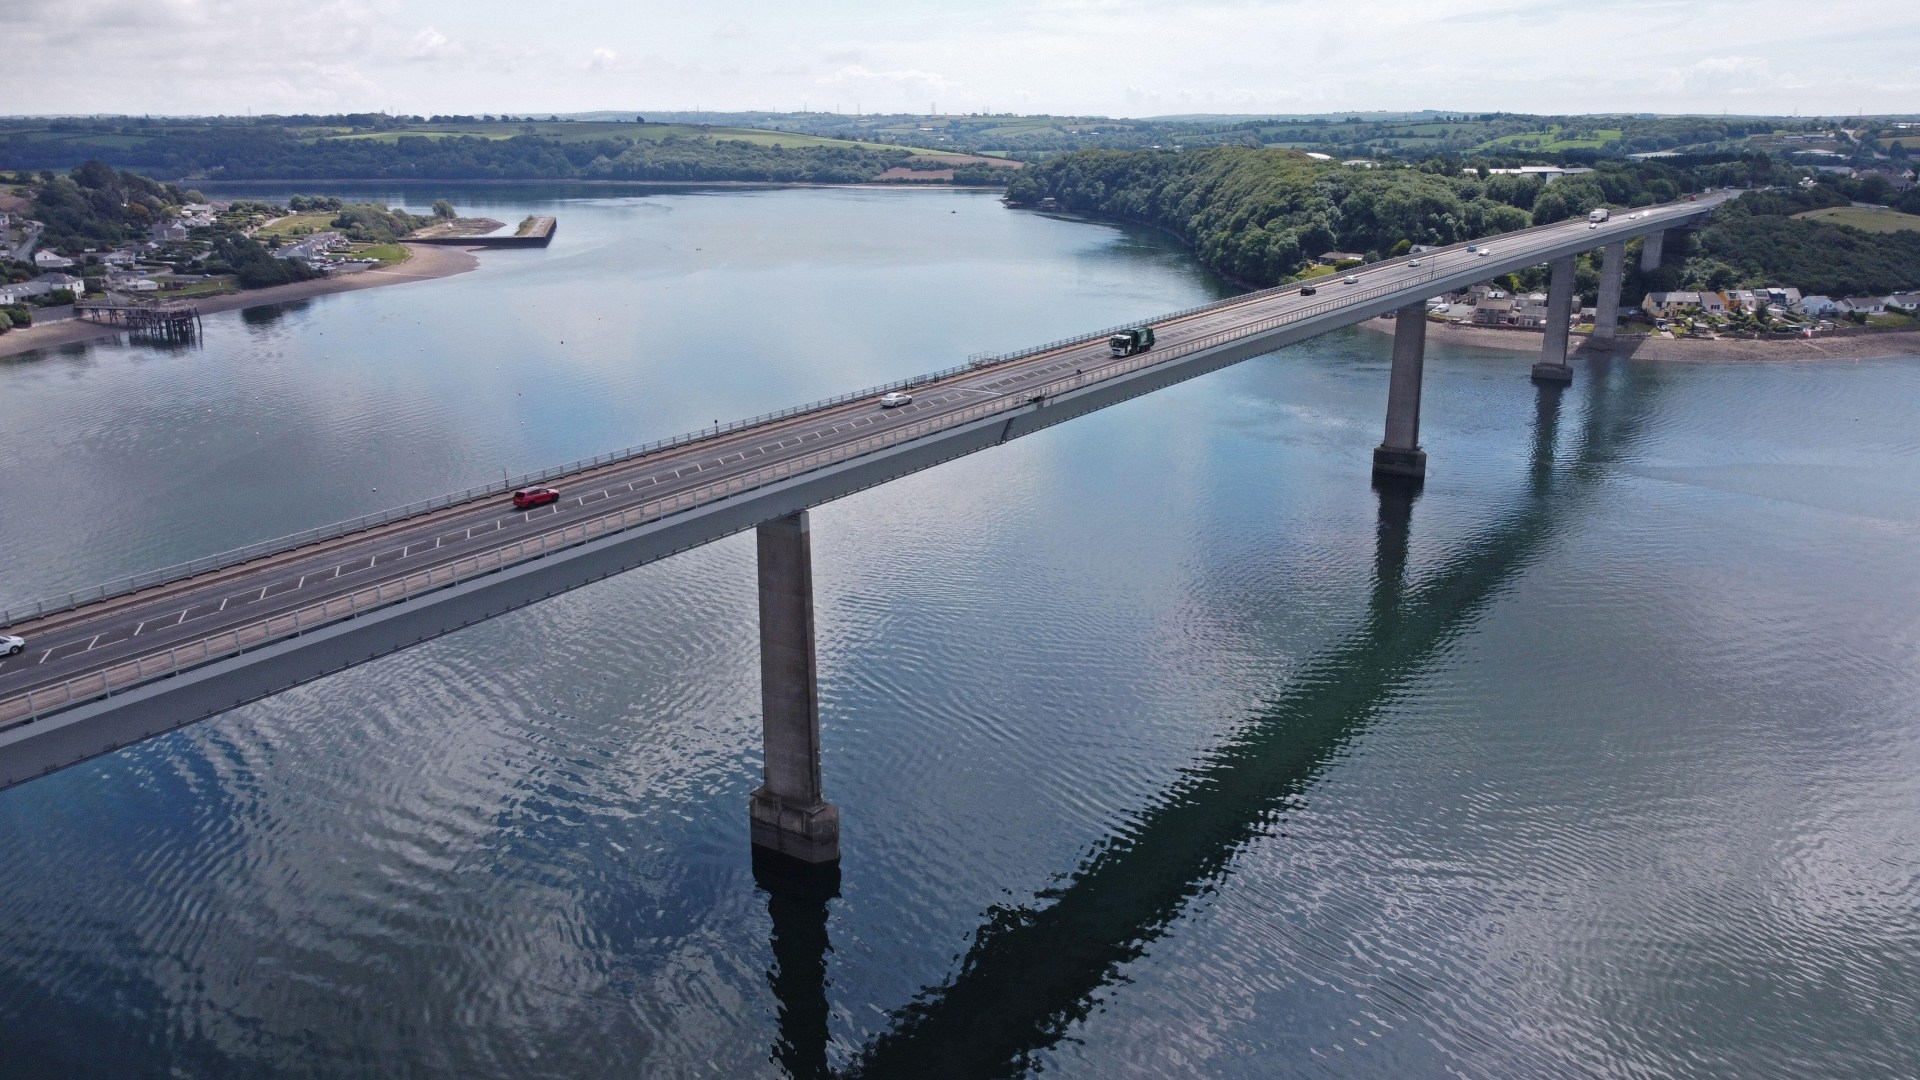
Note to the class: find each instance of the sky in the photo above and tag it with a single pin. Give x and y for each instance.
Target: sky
(1081, 57)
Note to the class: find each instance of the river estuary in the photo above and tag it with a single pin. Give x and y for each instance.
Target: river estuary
(1164, 746)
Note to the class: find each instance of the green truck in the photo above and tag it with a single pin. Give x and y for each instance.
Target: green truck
(1128, 342)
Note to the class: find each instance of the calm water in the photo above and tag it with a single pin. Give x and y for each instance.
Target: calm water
(1164, 746)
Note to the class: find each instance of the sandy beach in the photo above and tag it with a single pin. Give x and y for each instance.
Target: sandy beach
(1850, 347)
(426, 262)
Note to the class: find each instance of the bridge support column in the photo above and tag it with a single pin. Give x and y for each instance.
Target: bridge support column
(1553, 352)
(788, 815)
(1606, 306)
(1652, 245)
(1399, 453)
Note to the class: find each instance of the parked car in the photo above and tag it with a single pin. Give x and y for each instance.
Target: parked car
(10, 645)
(1308, 290)
(894, 400)
(528, 498)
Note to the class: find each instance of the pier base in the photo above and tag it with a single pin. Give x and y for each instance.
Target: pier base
(1399, 454)
(1553, 349)
(788, 815)
(1392, 461)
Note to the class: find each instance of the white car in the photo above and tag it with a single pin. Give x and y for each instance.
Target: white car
(1483, 252)
(894, 400)
(10, 645)
(1350, 280)
(1413, 262)
(1593, 224)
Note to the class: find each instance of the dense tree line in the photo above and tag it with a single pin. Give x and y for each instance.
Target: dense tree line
(273, 153)
(252, 265)
(732, 159)
(98, 206)
(1258, 216)
(1754, 240)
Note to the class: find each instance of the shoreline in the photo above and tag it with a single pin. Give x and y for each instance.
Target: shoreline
(426, 263)
(491, 182)
(1889, 343)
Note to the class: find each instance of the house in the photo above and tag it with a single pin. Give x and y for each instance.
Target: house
(312, 247)
(1493, 312)
(1744, 300)
(1817, 307)
(1905, 301)
(45, 259)
(1529, 310)
(21, 292)
(122, 257)
(1713, 303)
(123, 282)
(1784, 299)
(1670, 305)
(162, 232)
(1866, 305)
(1487, 292)
(63, 281)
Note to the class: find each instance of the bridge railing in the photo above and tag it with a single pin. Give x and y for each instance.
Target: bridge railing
(28, 708)
(280, 545)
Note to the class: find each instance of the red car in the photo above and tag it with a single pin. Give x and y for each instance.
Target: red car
(528, 498)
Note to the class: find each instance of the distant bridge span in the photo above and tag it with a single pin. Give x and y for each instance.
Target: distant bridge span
(124, 662)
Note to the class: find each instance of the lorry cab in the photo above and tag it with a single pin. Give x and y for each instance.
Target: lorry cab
(1127, 342)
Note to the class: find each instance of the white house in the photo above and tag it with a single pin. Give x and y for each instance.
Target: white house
(1867, 305)
(1817, 306)
(1907, 302)
(47, 260)
(167, 230)
(131, 283)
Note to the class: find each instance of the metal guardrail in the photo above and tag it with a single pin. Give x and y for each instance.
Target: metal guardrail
(282, 544)
(27, 708)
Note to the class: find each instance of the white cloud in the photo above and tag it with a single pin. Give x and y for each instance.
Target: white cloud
(1095, 56)
(431, 44)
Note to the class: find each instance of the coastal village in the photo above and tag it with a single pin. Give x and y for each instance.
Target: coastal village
(1703, 314)
(156, 281)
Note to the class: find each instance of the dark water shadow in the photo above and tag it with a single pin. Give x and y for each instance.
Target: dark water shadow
(797, 898)
(1036, 969)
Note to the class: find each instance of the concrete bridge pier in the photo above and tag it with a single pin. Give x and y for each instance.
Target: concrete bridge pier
(1399, 454)
(1652, 245)
(1606, 306)
(1552, 367)
(788, 815)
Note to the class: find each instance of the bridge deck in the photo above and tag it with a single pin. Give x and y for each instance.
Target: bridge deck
(79, 656)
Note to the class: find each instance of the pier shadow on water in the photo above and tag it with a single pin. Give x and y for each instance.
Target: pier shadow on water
(1036, 969)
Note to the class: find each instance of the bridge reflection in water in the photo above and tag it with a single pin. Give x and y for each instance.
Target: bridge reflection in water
(1034, 970)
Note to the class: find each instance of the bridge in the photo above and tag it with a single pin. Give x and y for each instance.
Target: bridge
(131, 659)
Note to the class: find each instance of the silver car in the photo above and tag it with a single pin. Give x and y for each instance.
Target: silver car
(11, 646)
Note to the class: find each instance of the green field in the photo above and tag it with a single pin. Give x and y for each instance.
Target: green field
(388, 254)
(294, 226)
(1865, 218)
(1551, 141)
(218, 286)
